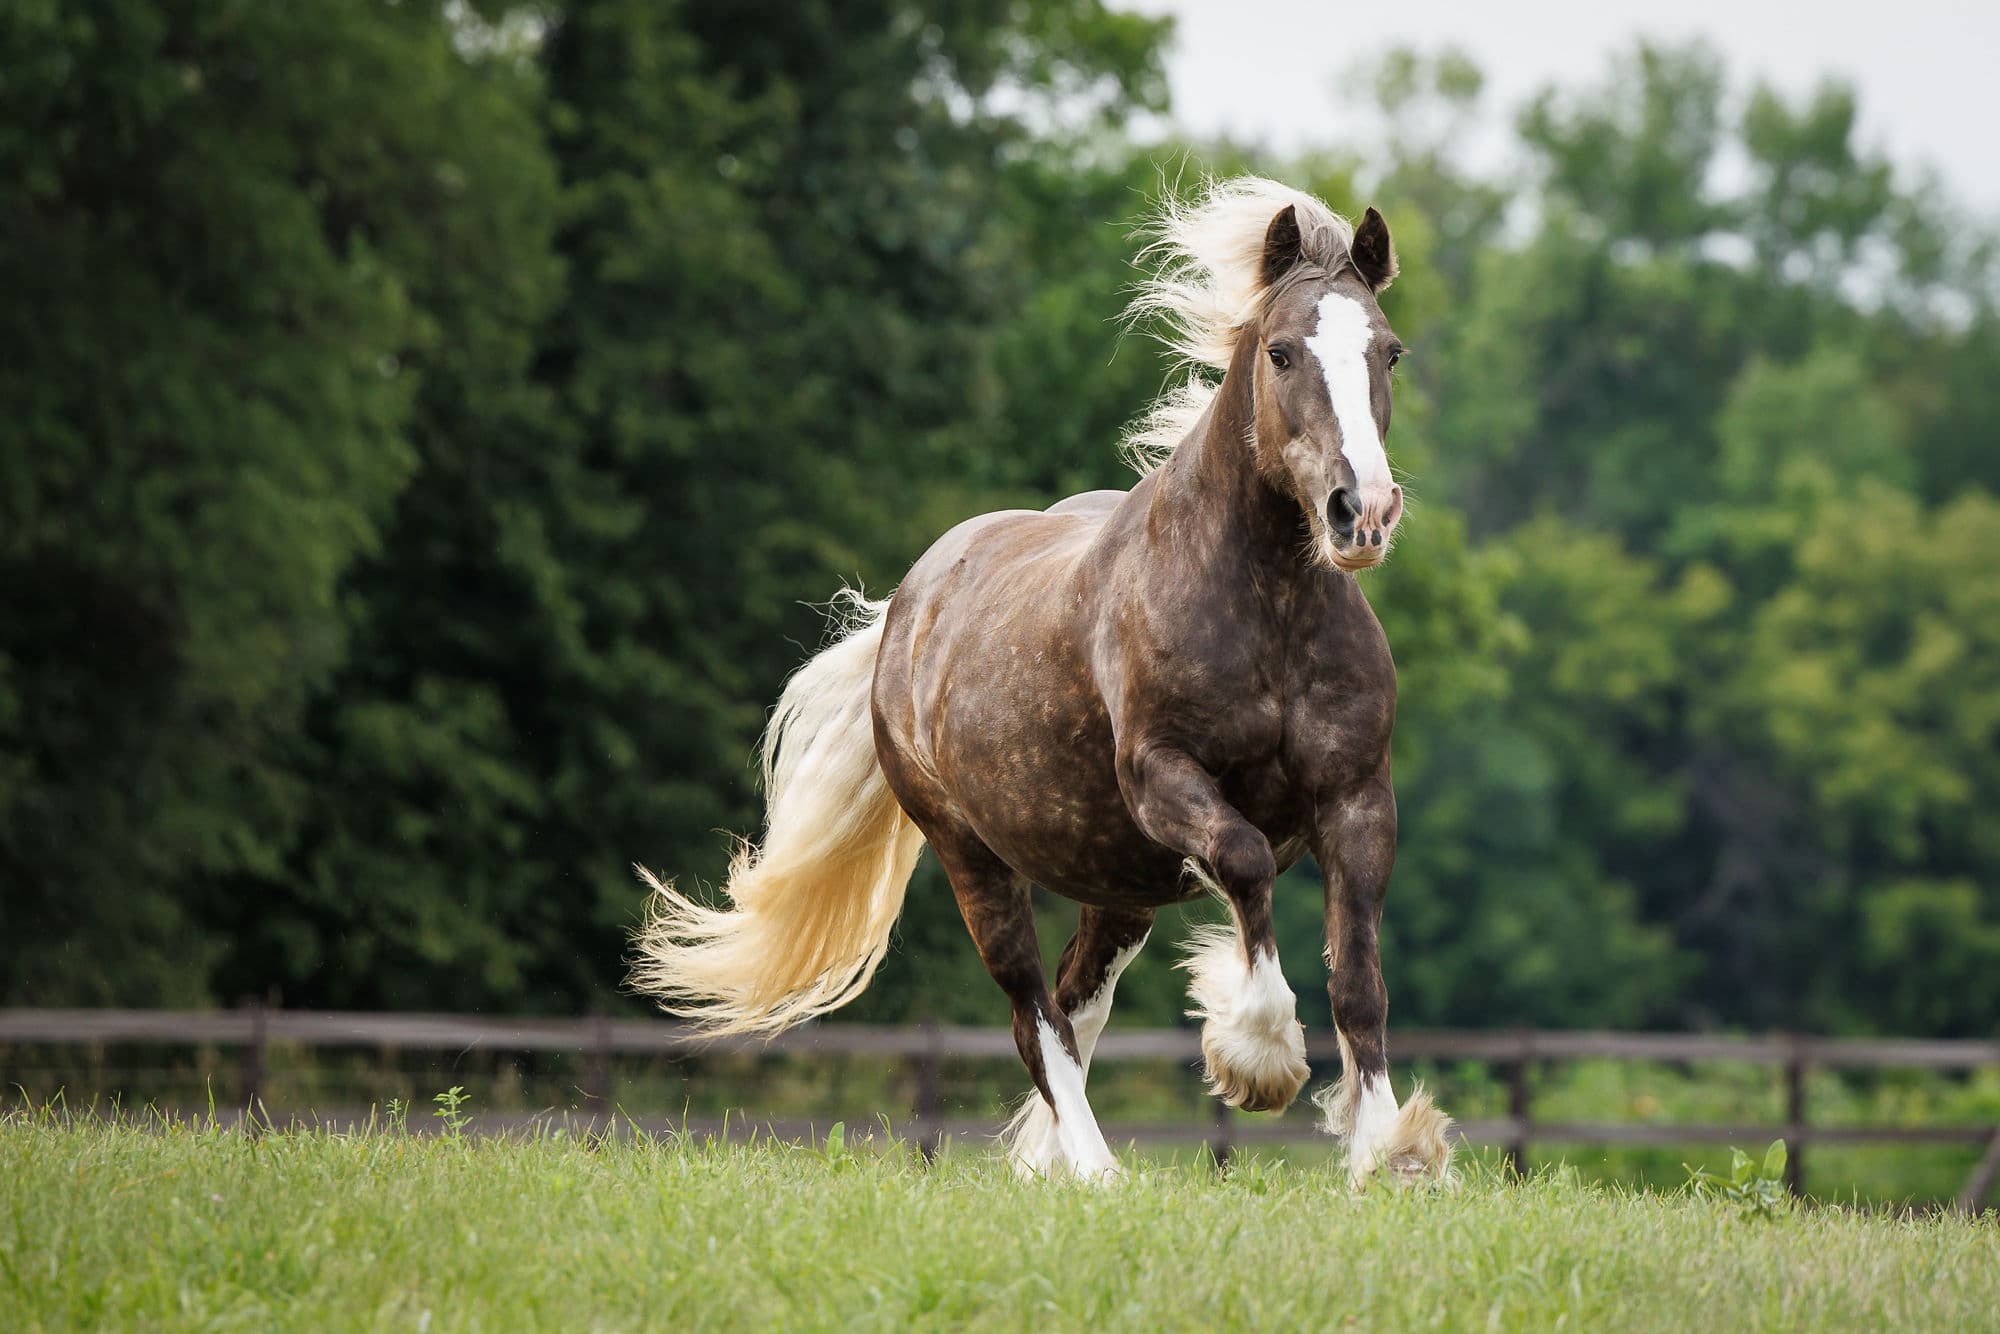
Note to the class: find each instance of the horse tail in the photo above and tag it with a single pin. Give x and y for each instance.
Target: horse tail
(810, 910)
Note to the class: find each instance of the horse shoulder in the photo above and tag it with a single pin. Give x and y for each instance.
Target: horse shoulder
(1180, 663)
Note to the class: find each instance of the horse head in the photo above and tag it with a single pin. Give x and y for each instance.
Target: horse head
(1323, 354)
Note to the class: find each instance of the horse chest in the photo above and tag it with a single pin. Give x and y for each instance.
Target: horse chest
(1312, 711)
(1237, 729)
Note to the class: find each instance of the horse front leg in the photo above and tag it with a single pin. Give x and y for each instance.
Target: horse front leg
(1355, 843)
(1251, 1040)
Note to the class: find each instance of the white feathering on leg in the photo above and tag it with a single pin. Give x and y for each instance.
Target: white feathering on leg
(1030, 1134)
(1251, 1038)
(1083, 1150)
(1413, 1141)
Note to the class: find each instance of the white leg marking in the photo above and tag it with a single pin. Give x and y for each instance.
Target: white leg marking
(1250, 1033)
(1374, 1118)
(1089, 1017)
(1083, 1148)
(1413, 1141)
(1033, 1144)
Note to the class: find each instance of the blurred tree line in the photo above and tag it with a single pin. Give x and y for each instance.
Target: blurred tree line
(429, 425)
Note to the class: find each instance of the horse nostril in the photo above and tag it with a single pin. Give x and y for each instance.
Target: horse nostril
(1341, 511)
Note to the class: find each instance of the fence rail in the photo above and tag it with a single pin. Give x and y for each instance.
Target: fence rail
(1513, 1053)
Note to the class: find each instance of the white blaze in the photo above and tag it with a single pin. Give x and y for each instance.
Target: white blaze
(1341, 343)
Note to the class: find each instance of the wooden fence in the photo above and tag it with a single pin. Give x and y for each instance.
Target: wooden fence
(1512, 1053)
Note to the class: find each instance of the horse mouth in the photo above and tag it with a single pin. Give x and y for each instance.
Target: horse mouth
(1361, 558)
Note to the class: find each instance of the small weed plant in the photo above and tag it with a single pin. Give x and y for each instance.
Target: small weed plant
(451, 1110)
(1756, 1190)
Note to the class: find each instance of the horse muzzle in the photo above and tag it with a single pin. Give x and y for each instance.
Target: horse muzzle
(1361, 522)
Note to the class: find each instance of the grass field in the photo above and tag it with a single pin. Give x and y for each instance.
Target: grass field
(822, 1089)
(176, 1225)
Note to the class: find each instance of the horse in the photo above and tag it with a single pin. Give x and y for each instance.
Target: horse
(1131, 699)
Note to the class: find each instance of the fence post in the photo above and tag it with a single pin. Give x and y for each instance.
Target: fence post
(1517, 1100)
(1973, 1198)
(929, 1132)
(1795, 1114)
(250, 1065)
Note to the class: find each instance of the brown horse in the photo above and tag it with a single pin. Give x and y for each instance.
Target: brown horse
(1128, 698)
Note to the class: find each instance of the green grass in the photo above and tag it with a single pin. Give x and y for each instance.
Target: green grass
(825, 1088)
(124, 1227)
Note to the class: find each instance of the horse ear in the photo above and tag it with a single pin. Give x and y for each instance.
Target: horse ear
(1374, 253)
(1282, 246)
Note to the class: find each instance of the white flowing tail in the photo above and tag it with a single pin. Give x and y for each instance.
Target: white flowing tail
(809, 912)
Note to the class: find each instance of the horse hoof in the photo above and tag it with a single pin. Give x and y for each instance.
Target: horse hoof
(1415, 1150)
(1264, 1100)
(1109, 1174)
(1263, 1077)
(1407, 1173)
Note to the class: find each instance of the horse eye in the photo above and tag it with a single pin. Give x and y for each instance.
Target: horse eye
(1279, 359)
(1395, 357)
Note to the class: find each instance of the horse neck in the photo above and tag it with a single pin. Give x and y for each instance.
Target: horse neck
(1212, 485)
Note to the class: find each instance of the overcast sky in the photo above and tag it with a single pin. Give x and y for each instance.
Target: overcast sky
(1926, 70)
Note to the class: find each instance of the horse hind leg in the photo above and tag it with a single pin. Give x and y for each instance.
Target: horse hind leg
(1106, 941)
(997, 910)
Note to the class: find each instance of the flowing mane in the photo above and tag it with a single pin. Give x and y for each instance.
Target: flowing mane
(1205, 282)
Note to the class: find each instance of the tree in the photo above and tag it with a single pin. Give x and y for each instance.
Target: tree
(1740, 737)
(431, 422)
(788, 262)
(239, 245)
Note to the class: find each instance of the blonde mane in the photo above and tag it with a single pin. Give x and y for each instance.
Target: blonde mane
(1205, 283)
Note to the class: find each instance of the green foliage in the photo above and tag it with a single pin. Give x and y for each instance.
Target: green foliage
(1633, 157)
(450, 1111)
(431, 424)
(1704, 468)
(243, 247)
(1756, 1190)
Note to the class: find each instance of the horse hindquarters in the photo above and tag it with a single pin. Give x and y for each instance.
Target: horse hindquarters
(811, 909)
